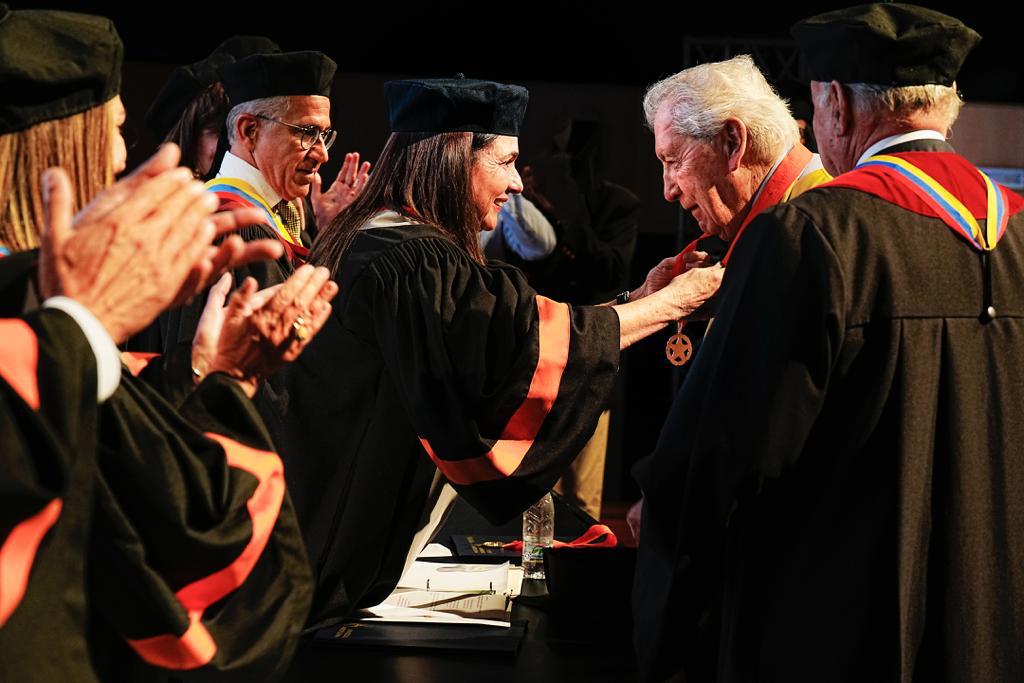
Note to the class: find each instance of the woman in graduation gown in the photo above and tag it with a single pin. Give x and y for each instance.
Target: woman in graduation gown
(438, 369)
(138, 539)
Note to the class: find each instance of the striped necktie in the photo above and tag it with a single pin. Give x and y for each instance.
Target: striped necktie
(290, 217)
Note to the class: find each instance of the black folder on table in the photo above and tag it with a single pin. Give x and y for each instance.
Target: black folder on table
(465, 637)
(484, 548)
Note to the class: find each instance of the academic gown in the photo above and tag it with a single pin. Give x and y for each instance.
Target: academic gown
(171, 334)
(430, 362)
(836, 496)
(48, 459)
(193, 563)
(199, 571)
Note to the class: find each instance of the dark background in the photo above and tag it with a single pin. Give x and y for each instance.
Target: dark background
(622, 43)
(578, 59)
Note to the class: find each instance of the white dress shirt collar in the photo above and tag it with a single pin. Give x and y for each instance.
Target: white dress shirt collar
(894, 140)
(234, 167)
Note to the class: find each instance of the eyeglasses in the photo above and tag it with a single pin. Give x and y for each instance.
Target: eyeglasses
(308, 135)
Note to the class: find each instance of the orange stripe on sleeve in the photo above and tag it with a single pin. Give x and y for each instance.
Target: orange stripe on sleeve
(263, 507)
(18, 553)
(19, 358)
(196, 646)
(137, 361)
(508, 452)
(191, 650)
(501, 461)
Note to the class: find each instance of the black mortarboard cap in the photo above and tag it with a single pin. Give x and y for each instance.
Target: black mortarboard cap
(445, 105)
(55, 64)
(236, 47)
(884, 44)
(280, 75)
(186, 82)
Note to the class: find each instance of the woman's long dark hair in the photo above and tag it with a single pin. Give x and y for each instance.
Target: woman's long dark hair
(423, 176)
(207, 111)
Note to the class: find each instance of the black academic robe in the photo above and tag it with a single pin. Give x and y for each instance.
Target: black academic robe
(47, 458)
(430, 361)
(836, 496)
(176, 327)
(192, 561)
(198, 570)
(171, 334)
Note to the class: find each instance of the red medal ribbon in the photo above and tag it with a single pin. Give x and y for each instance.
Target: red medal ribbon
(597, 536)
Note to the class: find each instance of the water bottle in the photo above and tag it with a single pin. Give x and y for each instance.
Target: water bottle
(538, 533)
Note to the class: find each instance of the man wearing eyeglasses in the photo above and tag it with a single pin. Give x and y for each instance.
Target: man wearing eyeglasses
(279, 131)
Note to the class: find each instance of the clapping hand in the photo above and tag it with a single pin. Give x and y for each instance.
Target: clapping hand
(259, 332)
(141, 246)
(346, 187)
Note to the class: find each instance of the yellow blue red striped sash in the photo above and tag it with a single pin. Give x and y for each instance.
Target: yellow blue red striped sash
(946, 206)
(239, 190)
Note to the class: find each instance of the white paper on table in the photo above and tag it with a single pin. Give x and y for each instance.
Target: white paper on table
(515, 581)
(456, 576)
(432, 607)
(435, 550)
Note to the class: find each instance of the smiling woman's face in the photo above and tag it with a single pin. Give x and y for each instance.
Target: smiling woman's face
(493, 176)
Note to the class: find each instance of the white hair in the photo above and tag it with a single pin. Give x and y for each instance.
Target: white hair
(271, 107)
(703, 97)
(903, 101)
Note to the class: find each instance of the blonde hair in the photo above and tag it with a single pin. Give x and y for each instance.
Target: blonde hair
(701, 98)
(81, 144)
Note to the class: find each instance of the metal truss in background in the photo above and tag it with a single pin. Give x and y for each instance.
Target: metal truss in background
(779, 60)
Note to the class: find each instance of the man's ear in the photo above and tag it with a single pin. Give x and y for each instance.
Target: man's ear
(246, 128)
(734, 142)
(841, 104)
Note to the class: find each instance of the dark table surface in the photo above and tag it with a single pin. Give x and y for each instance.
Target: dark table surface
(564, 642)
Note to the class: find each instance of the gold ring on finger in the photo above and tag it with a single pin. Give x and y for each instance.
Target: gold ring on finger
(300, 329)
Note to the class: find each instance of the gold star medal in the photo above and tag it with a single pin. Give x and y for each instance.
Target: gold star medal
(678, 348)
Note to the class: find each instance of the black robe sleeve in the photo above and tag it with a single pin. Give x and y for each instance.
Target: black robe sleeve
(178, 326)
(170, 374)
(197, 560)
(748, 406)
(502, 386)
(47, 458)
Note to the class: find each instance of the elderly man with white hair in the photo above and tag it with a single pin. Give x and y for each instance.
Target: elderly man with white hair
(841, 501)
(729, 149)
(728, 145)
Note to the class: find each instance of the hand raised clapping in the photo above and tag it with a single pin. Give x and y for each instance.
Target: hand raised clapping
(346, 187)
(259, 332)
